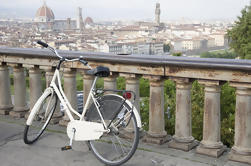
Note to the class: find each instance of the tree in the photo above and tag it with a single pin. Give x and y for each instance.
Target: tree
(219, 54)
(166, 47)
(177, 54)
(228, 100)
(240, 34)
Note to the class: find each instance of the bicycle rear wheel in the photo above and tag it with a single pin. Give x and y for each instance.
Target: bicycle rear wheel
(46, 106)
(117, 146)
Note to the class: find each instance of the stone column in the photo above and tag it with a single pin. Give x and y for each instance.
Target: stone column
(241, 151)
(88, 80)
(20, 105)
(183, 139)
(211, 144)
(49, 72)
(156, 133)
(70, 90)
(35, 86)
(5, 95)
(110, 82)
(132, 84)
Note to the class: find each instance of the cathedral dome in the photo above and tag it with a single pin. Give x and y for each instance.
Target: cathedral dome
(44, 14)
(88, 20)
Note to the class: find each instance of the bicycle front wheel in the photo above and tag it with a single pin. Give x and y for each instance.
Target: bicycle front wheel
(120, 143)
(44, 110)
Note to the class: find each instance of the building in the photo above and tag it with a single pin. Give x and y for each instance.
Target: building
(157, 14)
(219, 39)
(191, 44)
(177, 44)
(80, 23)
(45, 20)
(149, 48)
(44, 14)
(183, 45)
(64, 24)
(88, 21)
(208, 42)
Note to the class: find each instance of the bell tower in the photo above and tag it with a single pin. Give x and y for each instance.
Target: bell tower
(157, 14)
(79, 19)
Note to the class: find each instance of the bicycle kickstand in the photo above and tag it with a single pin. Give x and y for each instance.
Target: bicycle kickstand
(71, 139)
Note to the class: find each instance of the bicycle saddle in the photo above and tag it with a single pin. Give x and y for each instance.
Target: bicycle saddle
(99, 71)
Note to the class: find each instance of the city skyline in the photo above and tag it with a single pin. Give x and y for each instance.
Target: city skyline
(111, 10)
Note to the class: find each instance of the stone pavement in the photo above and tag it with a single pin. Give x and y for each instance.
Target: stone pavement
(47, 151)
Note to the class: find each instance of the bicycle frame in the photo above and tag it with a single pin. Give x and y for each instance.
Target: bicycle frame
(57, 88)
(111, 126)
(66, 104)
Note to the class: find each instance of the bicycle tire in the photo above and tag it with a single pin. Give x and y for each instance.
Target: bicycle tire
(39, 122)
(109, 147)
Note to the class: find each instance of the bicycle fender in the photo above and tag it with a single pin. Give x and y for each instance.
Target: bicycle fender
(135, 111)
(37, 106)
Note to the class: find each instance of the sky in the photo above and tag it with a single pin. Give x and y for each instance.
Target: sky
(106, 10)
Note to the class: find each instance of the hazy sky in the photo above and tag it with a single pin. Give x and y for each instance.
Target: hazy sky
(128, 9)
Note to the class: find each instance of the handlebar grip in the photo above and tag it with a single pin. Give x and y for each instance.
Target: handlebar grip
(83, 61)
(42, 43)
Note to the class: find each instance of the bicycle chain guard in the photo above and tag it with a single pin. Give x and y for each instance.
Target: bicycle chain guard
(85, 130)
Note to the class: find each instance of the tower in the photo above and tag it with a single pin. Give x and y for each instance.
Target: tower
(68, 23)
(157, 13)
(79, 18)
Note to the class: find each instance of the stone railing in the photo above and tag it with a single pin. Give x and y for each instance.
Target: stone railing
(210, 73)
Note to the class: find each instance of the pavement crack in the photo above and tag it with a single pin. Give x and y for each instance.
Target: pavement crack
(11, 138)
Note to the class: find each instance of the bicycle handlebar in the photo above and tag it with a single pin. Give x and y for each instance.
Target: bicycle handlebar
(42, 43)
(83, 61)
(80, 59)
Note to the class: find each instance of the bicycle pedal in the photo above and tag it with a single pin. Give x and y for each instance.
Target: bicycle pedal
(66, 148)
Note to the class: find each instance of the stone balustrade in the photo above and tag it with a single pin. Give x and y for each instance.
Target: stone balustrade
(211, 73)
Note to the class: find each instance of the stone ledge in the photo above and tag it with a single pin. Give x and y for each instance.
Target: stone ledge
(63, 122)
(56, 117)
(19, 114)
(27, 115)
(239, 158)
(210, 151)
(4, 112)
(156, 140)
(182, 146)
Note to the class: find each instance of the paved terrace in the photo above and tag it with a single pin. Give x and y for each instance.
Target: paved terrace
(158, 148)
(47, 151)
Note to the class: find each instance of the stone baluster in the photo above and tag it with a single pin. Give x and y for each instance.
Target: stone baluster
(183, 139)
(110, 82)
(156, 133)
(241, 151)
(88, 80)
(211, 144)
(70, 91)
(5, 102)
(132, 84)
(35, 85)
(49, 72)
(20, 105)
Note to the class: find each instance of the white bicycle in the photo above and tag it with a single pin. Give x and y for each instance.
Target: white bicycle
(110, 125)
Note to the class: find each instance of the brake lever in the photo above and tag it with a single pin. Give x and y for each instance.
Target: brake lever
(81, 59)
